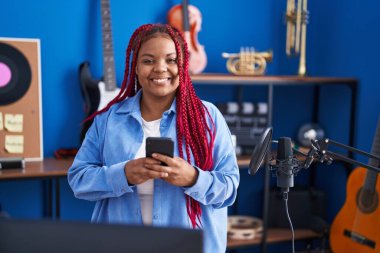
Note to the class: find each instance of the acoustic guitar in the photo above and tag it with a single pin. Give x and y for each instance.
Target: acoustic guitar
(98, 93)
(356, 228)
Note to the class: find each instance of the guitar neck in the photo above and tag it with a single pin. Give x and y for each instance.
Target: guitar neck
(371, 177)
(108, 57)
(185, 12)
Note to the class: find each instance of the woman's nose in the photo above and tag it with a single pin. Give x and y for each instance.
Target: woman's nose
(160, 66)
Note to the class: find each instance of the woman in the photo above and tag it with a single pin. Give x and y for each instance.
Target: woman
(157, 98)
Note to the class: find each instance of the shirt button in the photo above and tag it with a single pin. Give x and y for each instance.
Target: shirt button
(155, 217)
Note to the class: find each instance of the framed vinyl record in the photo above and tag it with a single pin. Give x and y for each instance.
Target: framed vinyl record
(20, 99)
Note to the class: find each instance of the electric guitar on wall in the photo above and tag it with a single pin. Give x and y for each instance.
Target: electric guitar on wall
(355, 229)
(98, 93)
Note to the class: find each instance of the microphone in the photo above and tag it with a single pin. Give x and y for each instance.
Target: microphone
(285, 164)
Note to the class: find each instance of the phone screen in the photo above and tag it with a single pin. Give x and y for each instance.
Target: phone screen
(160, 145)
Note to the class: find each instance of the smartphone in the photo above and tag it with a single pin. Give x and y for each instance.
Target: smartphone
(160, 145)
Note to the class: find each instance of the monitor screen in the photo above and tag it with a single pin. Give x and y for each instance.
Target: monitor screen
(58, 236)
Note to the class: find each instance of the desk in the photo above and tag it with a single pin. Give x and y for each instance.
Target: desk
(49, 170)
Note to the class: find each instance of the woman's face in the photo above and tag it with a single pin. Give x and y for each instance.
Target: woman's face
(157, 69)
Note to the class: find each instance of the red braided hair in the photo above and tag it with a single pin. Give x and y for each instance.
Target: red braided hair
(194, 135)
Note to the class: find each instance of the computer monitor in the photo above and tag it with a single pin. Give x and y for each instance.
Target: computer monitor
(70, 237)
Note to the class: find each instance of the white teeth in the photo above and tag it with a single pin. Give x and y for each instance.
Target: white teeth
(161, 80)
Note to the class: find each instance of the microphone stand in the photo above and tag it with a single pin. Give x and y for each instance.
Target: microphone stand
(322, 154)
(289, 166)
(319, 152)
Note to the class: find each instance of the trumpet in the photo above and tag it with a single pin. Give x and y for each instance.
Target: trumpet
(248, 61)
(296, 21)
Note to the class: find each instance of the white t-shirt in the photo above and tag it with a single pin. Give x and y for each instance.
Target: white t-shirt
(145, 190)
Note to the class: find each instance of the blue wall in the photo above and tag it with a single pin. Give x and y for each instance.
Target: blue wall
(342, 41)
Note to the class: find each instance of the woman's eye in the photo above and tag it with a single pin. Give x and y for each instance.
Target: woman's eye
(172, 60)
(147, 61)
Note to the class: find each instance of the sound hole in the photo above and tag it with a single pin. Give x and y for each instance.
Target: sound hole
(367, 201)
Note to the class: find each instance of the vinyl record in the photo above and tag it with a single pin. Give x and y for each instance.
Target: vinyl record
(15, 74)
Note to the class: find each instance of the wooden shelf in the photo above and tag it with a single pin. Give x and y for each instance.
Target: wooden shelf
(274, 236)
(228, 79)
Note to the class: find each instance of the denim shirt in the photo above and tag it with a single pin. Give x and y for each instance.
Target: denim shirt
(97, 174)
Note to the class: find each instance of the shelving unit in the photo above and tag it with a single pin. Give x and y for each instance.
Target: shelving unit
(279, 235)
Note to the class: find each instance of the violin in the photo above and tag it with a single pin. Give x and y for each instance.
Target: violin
(188, 19)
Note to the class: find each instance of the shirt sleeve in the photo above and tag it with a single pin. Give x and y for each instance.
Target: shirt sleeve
(218, 187)
(88, 177)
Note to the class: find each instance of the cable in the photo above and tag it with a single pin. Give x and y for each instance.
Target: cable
(285, 197)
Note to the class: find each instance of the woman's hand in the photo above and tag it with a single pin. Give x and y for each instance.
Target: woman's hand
(138, 171)
(179, 171)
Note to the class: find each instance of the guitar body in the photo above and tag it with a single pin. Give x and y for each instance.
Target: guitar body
(356, 227)
(89, 88)
(94, 93)
(90, 93)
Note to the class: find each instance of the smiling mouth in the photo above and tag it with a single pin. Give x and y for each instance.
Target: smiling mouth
(160, 80)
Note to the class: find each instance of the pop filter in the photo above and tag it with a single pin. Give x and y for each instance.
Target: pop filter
(260, 151)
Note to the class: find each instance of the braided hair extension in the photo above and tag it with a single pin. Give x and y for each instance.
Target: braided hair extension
(193, 130)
